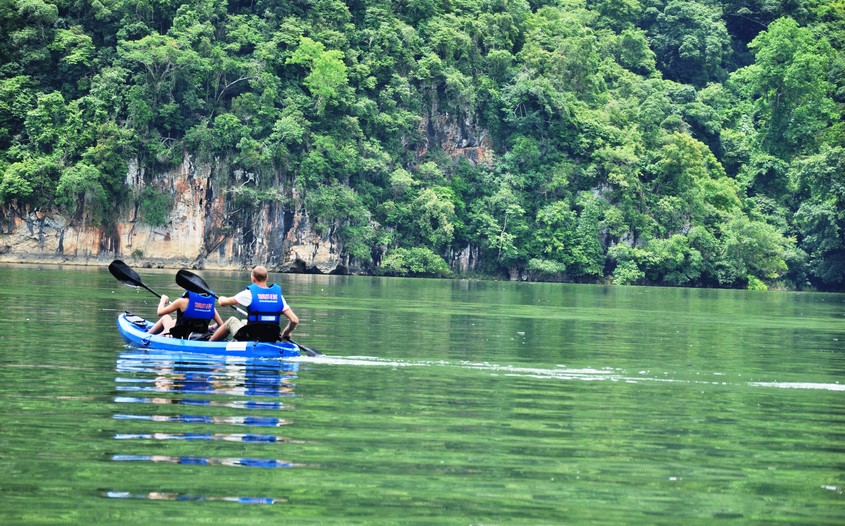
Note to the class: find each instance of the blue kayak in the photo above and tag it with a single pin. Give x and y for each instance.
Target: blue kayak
(134, 330)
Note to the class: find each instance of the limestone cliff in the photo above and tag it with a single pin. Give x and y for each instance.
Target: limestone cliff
(216, 220)
(206, 228)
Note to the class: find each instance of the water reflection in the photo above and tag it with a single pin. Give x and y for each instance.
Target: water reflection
(178, 373)
(226, 437)
(236, 404)
(159, 495)
(221, 385)
(208, 461)
(200, 419)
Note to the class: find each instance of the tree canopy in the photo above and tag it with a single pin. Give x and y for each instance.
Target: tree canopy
(678, 142)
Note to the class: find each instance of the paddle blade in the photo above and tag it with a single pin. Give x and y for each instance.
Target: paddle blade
(308, 350)
(190, 281)
(127, 276)
(123, 273)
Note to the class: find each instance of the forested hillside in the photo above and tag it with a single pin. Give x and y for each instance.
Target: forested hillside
(678, 142)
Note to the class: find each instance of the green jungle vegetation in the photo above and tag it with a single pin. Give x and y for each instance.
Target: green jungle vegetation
(676, 142)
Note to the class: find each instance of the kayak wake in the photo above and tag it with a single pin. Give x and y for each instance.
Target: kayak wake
(561, 372)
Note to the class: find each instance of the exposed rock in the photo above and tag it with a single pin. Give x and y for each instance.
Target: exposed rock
(466, 260)
(212, 225)
(517, 274)
(309, 252)
(461, 137)
(206, 229)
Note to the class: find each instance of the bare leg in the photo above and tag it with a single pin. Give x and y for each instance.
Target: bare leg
(164, 324)
(220, 333)
(232, 324)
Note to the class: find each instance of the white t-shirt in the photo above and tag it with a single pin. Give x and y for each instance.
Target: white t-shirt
(244, 297)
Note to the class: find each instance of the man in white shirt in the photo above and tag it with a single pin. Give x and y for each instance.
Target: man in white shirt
(265, 305)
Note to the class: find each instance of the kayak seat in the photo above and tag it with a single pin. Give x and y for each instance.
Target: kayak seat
(135, 320)
(259, 332)
(184, 332)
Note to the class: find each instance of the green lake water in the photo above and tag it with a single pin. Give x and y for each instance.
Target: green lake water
(438, 402)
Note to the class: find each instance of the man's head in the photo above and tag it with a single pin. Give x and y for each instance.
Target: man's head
(259, 274)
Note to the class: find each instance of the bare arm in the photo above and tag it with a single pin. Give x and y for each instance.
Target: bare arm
(165, 308)
(293, 321)
(225, 301)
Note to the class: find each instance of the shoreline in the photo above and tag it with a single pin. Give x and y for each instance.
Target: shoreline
(101, 261)
(175, 264)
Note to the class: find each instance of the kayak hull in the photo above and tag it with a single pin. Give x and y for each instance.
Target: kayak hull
(134, 331)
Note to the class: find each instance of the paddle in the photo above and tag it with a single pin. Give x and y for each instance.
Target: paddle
(127, 276)
(190, 281)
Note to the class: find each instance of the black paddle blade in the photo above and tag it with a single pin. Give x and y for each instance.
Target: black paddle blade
(127, 276)
(190, 281)
(123, 273)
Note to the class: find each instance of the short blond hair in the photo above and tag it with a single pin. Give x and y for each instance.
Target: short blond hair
(259, 273)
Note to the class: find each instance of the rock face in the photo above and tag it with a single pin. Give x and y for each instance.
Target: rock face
(218, 225)
(458, 137)
(207, 228)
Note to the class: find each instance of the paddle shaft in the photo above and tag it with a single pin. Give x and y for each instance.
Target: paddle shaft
(190, 281)
(149, 289)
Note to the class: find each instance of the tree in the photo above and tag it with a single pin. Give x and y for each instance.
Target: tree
(416, 261)
(821, 215)
(30, 182)
(633, 52)
(45, 122)
(555, 236)
(751, 249)
(789, 80)
(16, 99)
(337, 210)
(79, 185)
(687, 169)
(327, 71)
(691, 42)
(618, 14)
(498, 223)
(590, 252)
(673, 261)
(434, 216)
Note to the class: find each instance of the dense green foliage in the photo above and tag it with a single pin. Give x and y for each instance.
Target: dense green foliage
(694, 143)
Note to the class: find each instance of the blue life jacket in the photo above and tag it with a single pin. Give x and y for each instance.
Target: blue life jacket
(267, 304)
(198, 313)
(200, 307)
